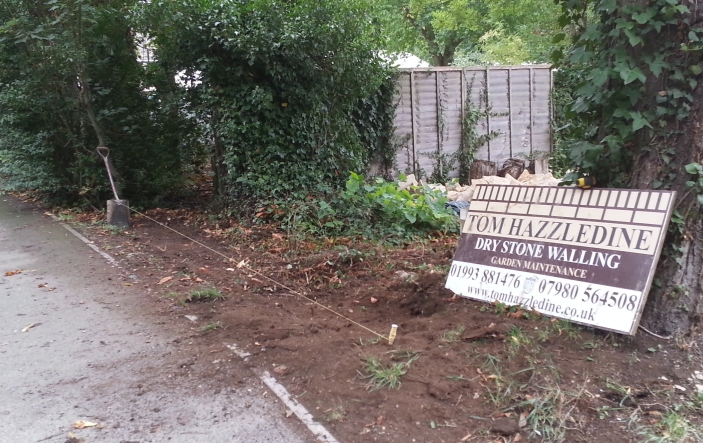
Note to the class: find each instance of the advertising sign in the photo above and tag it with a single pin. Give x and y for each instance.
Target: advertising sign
(586, 255)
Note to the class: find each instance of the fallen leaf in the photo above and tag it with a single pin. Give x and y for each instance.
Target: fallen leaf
(379, 420)
(288, 413)
(80, 424)
(28, 327)
(165, 279)
(198, 280)
(517, 438)
(466, 437)
(280, 370)
(11, 273)
(522, 422)
(374, 300)
(42, 285)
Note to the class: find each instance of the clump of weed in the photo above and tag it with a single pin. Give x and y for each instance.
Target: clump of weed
(566, 327)
(212, 326)
(548, 416)
(517, 338)
(197, 295)
(380, 375)
(499, 387)
(673, 428)
(204, 295)
(370, 341)
(336, 414)
(695, 401)
(453, 335)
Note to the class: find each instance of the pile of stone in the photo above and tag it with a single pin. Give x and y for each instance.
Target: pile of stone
(456, 192)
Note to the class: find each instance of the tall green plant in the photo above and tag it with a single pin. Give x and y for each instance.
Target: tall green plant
(280, 85)
(624, 46)
(69, 77)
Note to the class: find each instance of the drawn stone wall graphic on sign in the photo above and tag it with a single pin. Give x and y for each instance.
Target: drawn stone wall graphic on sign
(584, 255)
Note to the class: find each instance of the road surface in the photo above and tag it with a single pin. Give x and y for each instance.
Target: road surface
(98, 353)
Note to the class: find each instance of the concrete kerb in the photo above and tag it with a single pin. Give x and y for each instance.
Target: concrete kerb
(281, 392)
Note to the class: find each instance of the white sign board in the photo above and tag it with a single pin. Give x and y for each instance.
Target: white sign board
(584, 255)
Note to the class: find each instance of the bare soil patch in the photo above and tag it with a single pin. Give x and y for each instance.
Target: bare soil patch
(459, 370)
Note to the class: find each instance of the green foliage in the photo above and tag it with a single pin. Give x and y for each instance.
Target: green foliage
(468, 31)
(204, 295)
(376, 209)
(640, 63)
(422, 208)
(471, 139)
(387, 376)
(288, 91)
(696, 169)
(373, 118)
(566, 125)
(55, 53)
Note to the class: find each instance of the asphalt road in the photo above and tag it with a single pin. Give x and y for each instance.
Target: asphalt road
(95, 354)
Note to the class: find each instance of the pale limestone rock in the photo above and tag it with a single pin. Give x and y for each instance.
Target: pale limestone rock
(410, 180)
(465, 196)
(525, 176)
(437, 187)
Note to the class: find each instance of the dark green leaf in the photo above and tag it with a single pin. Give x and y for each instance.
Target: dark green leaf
(694, 168)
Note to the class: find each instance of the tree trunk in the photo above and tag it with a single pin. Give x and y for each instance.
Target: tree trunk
(676, 303)
(217, 163)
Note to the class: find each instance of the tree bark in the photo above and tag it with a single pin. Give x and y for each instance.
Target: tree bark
(676, 303)
(217, 162)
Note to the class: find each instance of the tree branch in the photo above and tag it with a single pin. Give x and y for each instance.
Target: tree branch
(87, 102)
